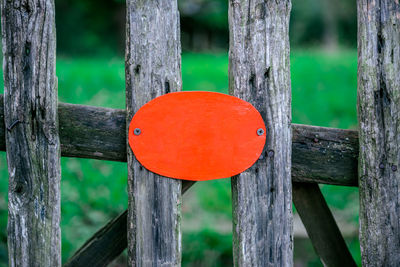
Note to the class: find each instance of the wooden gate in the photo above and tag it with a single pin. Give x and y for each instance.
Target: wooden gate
(36, 131)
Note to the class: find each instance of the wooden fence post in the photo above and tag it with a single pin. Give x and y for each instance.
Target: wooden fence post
(33, 147)
(259, 73)
(153, 68)
(379, 126)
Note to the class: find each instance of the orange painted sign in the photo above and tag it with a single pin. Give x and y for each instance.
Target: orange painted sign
(197, 135)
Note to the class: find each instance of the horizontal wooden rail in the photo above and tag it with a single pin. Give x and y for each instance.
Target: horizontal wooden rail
(319, 154)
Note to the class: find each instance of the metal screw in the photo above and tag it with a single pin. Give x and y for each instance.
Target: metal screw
(137, 131)
(260, 132)
(381, 166)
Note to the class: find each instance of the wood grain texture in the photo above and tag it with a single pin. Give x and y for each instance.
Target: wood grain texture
(324, 155)
(107, 243)
(92, 132)
(379, 129)
(319, 154)
(259, 73)
(321, 227)
(153, 68)
(32, 141)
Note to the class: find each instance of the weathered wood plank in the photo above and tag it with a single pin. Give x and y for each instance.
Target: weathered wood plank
(324, 155)
(92, 132)
(153, 68)
(321, 227)
(107, 243)
(32, 141)
(259, 73)
(379, 126)
(319, 154)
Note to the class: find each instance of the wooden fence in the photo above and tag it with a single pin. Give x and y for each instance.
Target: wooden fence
(35, 131)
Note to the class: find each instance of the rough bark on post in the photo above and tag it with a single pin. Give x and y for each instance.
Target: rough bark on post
(153, 68)
(259, 73)
(33, 147)
(379, 131)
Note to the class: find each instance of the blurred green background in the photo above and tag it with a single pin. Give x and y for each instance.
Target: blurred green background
(90, 68)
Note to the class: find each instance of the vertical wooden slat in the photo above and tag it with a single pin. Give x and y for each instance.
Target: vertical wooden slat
(259, 73)
(153, 68)
(321, 227)
(33, 147)
(379, 131)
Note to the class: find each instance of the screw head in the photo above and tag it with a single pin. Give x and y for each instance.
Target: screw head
(260, 132)
(137, 131)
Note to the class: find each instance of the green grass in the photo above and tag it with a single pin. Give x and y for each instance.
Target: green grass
(97, 82)
(101, 82)
(324, 88)
(323, 93)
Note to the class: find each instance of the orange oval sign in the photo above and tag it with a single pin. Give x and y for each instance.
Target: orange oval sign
(197, 135)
